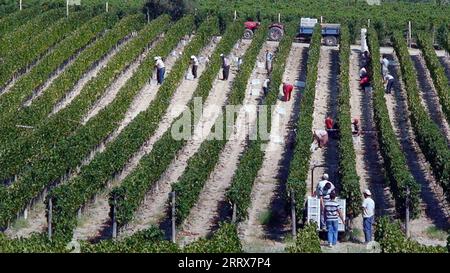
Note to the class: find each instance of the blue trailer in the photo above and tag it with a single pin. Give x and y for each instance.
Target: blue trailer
(330, 32)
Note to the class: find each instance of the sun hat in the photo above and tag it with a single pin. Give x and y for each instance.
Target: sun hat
(367, 192)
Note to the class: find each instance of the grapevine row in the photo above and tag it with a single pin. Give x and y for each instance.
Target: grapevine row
(400, 178)
(25, 87)
(68, 198)
(349, 185)
(15, 141)
(16, 20)
(38, 46)
(130, 194)
(200, 165)
(430, 139)
(437, 73)
(13, 41)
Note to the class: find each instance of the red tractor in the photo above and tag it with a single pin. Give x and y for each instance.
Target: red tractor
(276, 31)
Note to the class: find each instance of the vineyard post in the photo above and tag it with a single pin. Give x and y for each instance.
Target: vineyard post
(235, 15)
(107, 7)
(67, 8)
(49, 218)
(279, 17)
(321, 19)
(368, 23)
(407, 212)
(233, 217)
(148, 15)
(114, 220)
(20, 5)
(293, 216)
(173, 217)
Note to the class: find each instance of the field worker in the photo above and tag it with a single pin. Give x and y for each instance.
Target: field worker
(287, 90)
(356, 131)
(332, 214)
(160, 69)
(368, 207)
(389, 81)
(362, 72)
(366, 59)
(225, 66)
(266, 86)
(269, 58)
(384, 65)
(194, 63)
(321, 137)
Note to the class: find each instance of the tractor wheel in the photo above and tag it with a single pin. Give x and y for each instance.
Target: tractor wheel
(248, 34)
(275, 34)
(330, 41)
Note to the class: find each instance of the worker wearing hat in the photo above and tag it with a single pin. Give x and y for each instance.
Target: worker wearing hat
(194, 63)
(368, 207)
(160, 69)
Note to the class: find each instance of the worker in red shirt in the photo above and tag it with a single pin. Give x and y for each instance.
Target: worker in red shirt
(329, 123)
(287, 90)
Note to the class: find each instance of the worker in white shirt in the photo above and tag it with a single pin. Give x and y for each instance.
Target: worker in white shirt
(160, 69)
(362, 72)
(385, 65)
(194, 63)
(266, 86)
(368, 207)
(225, 66)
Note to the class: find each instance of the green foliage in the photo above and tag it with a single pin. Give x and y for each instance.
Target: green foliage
(92, 178)
(16, 113)
(437, 72)
(224, 240)
(349, 186)
(394, 159)
(298, 172)
(55, 151)
(307, 241)
(252, 158)
(130, 194)
(175, 8)
(431, 141)
(392, 239)
(150, 240)
(203, 162)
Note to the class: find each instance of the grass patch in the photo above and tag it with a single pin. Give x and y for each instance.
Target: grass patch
(265, 217)
(436, 233)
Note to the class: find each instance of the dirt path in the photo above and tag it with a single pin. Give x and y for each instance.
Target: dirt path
(66, 64)
(153, 209)
(89, 75)
(95, 222)
(268, 185)
(433, 211)
(369, 163)
(326, 104)
(428, 93)
(204, 216)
